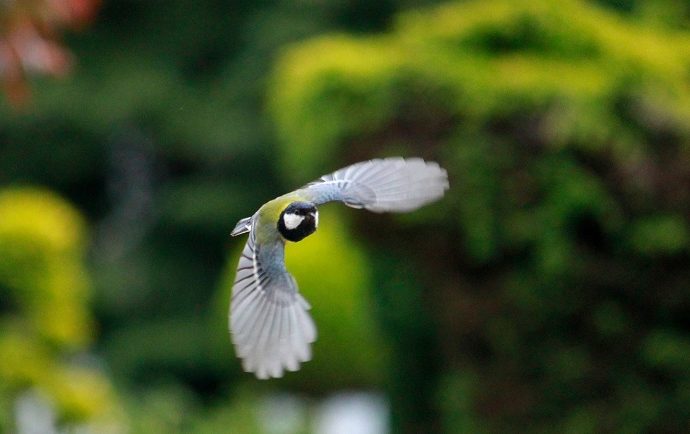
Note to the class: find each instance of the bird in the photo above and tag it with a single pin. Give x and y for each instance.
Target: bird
(270, 325)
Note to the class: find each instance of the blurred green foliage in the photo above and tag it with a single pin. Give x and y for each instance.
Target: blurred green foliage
(158, 136)
(556, 276)
(44, 317)
(169, 408)
(548, 291)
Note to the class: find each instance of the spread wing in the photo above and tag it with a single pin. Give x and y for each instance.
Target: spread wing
(382, 185)
(270, 326)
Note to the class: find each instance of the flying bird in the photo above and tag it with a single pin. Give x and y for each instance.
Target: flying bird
(269, 320)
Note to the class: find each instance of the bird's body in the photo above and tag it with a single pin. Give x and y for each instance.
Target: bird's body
(269, 320)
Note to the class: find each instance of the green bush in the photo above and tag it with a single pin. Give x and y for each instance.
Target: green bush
(554, 274)
(44, 317)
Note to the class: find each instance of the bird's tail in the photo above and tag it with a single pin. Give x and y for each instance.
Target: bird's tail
(243, 226)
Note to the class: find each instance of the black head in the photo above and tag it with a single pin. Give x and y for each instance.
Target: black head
(298, 220)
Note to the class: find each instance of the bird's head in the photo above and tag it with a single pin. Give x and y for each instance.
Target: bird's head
(298, 220)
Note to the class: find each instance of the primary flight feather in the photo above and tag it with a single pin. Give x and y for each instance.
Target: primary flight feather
(269, 319)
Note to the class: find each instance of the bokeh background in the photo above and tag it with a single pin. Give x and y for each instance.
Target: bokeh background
(548, 292)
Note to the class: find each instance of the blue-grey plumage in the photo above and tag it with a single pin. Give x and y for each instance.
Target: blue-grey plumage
(269, 320)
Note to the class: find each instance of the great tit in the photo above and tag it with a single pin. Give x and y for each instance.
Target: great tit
(269, 321)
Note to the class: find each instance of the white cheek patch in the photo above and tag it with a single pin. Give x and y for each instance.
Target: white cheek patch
(292, 220)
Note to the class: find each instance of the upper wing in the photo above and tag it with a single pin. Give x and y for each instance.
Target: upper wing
(382, 185)
(271, 328)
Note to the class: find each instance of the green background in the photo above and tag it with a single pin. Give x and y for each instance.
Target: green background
(548, 292)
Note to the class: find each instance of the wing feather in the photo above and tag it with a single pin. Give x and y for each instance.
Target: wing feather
(269, 320)
(382, 185)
